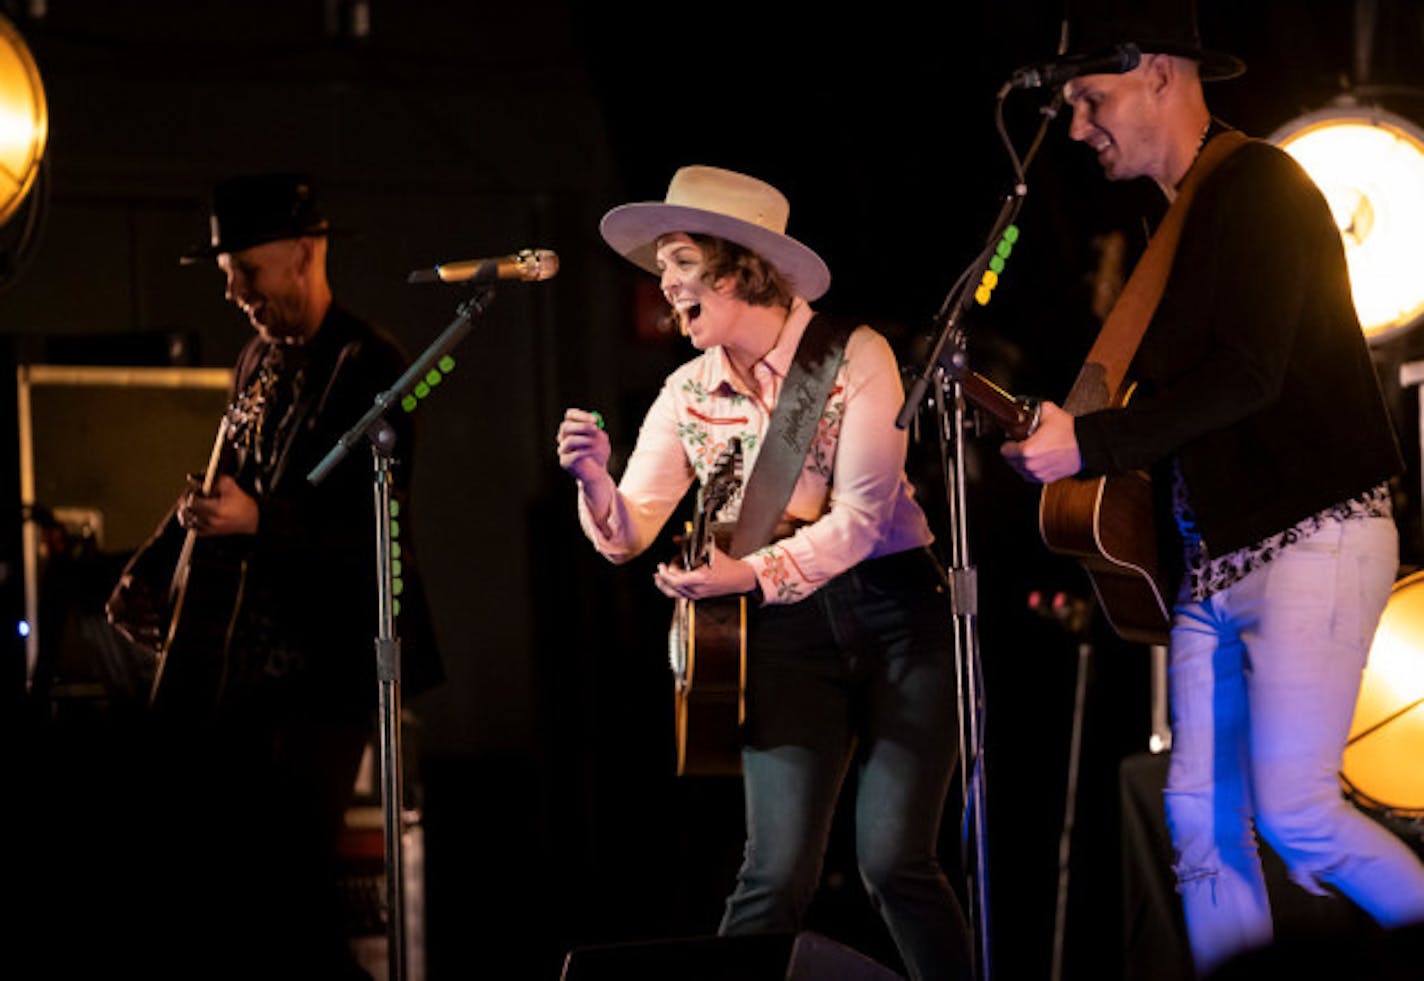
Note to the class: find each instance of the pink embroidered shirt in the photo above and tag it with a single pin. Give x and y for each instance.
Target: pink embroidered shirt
(852, 494)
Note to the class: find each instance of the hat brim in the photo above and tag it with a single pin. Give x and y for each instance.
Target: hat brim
(207, 253)
(632, 230)
(1216, 66)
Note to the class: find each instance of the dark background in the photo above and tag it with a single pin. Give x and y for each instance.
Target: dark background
(458, 129)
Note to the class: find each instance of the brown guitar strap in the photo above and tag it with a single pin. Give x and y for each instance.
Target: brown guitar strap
(788, 435)
(1100, 382)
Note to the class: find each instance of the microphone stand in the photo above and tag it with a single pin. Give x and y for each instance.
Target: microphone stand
(374, 428)
(945, 364)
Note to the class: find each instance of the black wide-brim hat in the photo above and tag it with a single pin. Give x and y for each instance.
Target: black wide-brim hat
(1094, 27)
(257, 208)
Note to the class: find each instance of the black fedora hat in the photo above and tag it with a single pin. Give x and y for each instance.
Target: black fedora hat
(255, 208)
(1093, 27)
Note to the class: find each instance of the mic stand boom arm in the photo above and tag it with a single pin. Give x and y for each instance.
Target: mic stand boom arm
(374, 428)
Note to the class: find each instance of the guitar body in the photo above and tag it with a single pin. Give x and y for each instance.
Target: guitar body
(193, 663)
(1107, 524)
(709, 684)
(707, 645)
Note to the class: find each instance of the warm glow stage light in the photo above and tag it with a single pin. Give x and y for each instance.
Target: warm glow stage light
(1369, 164)
(24, 120)
(1384, 760)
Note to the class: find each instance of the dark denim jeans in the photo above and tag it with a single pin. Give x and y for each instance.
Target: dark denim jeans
(862, 670)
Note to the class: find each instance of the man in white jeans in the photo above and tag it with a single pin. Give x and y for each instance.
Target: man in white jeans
(1259, 415)
(1264, 677)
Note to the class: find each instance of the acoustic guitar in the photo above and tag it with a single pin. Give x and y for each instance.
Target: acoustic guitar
(201, 619)
(707, 643)
(1106, 523)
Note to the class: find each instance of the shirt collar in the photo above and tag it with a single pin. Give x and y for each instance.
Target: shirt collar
(779, 358)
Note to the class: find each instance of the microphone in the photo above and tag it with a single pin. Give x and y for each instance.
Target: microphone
(1122, 58)
(530, 265)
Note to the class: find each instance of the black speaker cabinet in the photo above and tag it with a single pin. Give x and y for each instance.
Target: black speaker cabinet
(804, 956)
(1154, 937)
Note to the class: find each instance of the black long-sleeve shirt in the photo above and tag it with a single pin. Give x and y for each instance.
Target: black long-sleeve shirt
(1254, 372)
(305, 636)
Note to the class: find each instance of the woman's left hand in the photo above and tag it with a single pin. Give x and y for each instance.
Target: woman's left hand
(721, 575)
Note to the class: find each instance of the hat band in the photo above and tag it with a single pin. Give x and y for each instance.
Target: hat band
(256, 236)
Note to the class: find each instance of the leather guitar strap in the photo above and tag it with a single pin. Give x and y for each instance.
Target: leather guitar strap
(789, 434)
(1100, 382)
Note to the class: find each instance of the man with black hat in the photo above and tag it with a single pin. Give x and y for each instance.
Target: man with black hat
(290, 710)
(1259, 415)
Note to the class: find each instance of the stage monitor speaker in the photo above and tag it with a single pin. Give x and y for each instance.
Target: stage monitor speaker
(804, 956)
(1154, 935)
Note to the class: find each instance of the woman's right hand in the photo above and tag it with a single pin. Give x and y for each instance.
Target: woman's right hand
(583, 447)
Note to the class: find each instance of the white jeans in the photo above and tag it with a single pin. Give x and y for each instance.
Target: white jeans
(1263, 681)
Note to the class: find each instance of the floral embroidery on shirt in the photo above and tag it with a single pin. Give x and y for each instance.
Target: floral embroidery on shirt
(821, 456)
(704, 448)
(699, 392)
(774, 566)
(694, 435)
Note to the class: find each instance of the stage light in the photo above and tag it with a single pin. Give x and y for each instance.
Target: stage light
(24, 120)
(1369, 164)
(1381, 763)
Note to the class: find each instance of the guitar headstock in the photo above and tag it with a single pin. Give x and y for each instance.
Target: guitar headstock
(244, 414)
(723, 483)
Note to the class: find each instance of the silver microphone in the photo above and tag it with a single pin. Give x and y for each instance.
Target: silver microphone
(529, 265)
(1120, 59)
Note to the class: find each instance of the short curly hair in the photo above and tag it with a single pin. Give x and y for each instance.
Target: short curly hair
(754, 280)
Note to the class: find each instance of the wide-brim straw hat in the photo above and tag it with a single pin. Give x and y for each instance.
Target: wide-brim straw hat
(1161, 26)
(723, 203)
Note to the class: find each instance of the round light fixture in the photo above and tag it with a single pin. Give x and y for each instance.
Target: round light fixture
(24, 120)
(1369, 164)
(1381, 763)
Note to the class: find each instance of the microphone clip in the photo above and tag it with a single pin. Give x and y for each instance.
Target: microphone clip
(1119, 59)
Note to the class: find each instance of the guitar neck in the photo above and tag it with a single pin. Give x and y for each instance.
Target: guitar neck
(1018, 418)
(179, 582)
